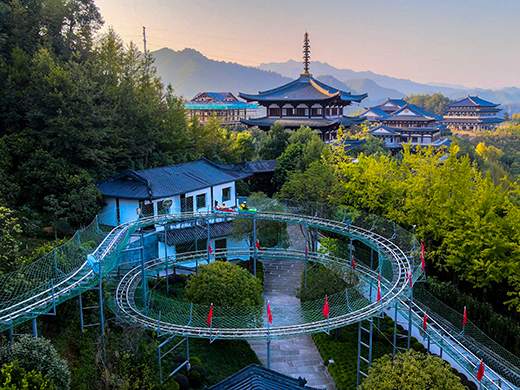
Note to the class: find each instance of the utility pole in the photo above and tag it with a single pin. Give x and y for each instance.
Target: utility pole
(144, 39)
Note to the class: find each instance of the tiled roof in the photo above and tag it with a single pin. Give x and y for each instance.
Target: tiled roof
(374, 110)
(472, 101)
(168, 181)
(185, 235)
(303, 89)
(389, 103)
(473, 120)
(313, 123)
(383, 130)
(409, 112)
(349, 144)
(255, 377)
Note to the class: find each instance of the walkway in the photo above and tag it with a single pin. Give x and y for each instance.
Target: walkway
(295, 357)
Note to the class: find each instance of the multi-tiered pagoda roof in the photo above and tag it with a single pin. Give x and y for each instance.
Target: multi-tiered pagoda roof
(472, 113)
(304, 102)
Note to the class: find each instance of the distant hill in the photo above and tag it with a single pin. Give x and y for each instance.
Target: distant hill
(376, 93)
(189, 73)
(292, 69)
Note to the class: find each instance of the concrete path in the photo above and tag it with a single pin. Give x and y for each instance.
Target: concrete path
(296, 357)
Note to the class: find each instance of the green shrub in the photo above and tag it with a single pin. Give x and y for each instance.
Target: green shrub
(225, 285)
(201, 370)
(195, 361)
(195, 379)
(38, 354)
(182, 380)
(14, 377)
(249, 265)
(417, 346)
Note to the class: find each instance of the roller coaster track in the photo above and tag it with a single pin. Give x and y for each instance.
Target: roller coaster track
(396, 249)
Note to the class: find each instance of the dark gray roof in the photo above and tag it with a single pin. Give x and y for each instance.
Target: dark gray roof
(185, 235)
(473, 120)
(473, 101)
(349, 144)
(168, 181)
(255, 377)
(304, 89)
(313, 123)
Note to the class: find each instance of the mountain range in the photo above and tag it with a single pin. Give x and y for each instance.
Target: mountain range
(190, 72)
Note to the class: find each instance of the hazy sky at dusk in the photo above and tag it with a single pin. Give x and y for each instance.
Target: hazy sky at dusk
(475, 43)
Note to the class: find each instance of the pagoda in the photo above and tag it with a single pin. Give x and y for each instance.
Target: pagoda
(397, 122)
(472, 113)
(304, 102)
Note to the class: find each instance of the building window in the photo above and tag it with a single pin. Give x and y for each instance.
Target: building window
(300, 111)
(146, 209)
(186, 203)
(414, 139)
(226, 194)
(201, 201)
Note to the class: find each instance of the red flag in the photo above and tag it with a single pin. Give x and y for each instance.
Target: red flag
(306, 249)
(257, 245)
(480, 373)
(352, 262)
(378, 291)
(209, 320)
(326, 308)
(422, 256)
(269, 315)
(465, 318)
(409, 276)
(425, 322)
(209, 248)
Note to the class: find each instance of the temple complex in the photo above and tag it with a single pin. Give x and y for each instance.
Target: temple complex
(397, 122)
(304, 102)
(472, 113)
(223, 105)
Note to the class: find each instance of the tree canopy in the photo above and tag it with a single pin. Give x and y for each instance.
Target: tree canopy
(411, 371)
(224, 284)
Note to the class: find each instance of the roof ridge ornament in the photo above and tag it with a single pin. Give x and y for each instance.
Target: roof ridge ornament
(306, 55)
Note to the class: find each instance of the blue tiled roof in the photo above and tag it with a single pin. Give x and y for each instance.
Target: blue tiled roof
(415, 114)
(168, 181)
(375, 110)
(473, 101)
(303, 89)
(384, 129)
(255, 377)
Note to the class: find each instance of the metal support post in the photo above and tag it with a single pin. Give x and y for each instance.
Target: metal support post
(395, 331)
(81, 314)
(207, 222)
(306, 250)
(410, 318)
(11, 334)
(143, 274)
(101, 316)
(166, 256)
(35, 328)
(254, 246)
(359, 355)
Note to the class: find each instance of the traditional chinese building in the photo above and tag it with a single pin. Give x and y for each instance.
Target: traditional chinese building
(304, 102)
(223, 105)
(397, 122)
(472, 113)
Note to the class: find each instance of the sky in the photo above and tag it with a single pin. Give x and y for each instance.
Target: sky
(473, 43)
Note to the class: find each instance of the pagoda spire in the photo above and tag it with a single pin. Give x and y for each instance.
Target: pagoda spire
(306, 55)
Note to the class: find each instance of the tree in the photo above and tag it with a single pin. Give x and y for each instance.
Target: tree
(316, 184)
(38, 354)
(224, 285)
(268, 233)
(9, 241)
(433, 104)
(14, 377)
(411, 371)
(272, 146)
